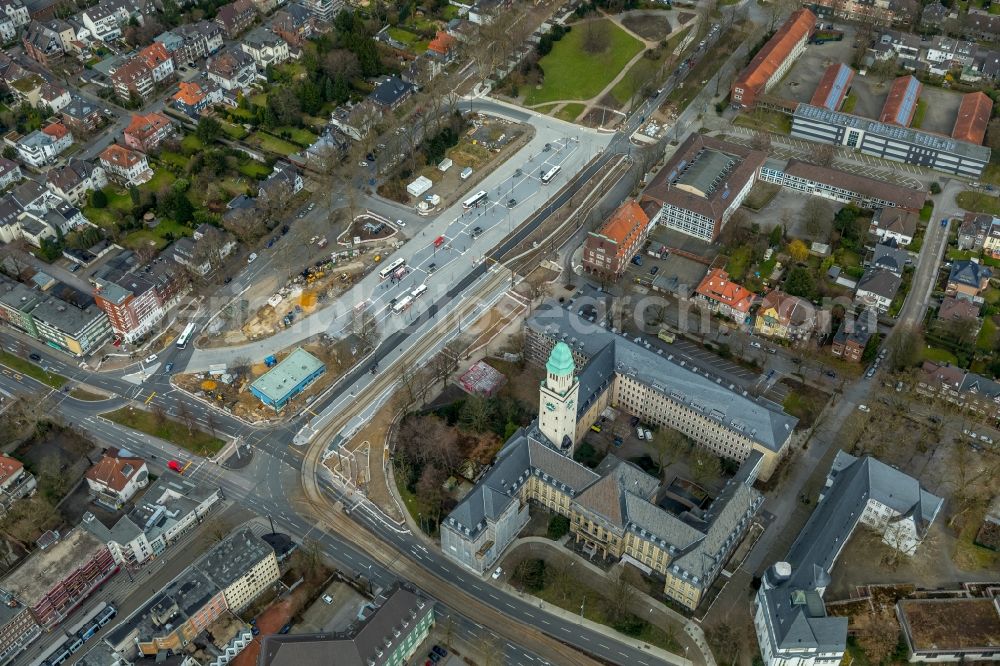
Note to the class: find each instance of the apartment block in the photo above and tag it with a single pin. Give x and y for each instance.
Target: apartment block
(608, 250)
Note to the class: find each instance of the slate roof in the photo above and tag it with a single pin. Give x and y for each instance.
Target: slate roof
(969, 273)
(881, 282)
(957, 309)
(897, 220)
(390, 91)
(797, 617)
(889, 256)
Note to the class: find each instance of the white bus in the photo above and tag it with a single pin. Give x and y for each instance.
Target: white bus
(418, 292)
(474, 201)
(404, 303)
(390, 268)
(185, 336)
(550, 174)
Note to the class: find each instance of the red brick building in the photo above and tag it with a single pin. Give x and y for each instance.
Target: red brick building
(607, 250)
(772, 61)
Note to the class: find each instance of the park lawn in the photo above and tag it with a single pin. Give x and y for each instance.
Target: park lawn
(195, 441)
(570, 112)
(299, 135)
(572, 73)
(939, 355)
(28, 368)
(191, 144)
(979, 202)
(260, 99)
(273, 144)
(640, 74)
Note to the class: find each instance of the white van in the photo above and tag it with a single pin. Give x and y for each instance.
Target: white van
(466, 172)
(641, 434)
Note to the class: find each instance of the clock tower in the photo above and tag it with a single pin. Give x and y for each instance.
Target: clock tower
(557, 400)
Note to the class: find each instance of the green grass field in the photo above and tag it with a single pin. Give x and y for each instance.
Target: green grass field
(195, 441)
(939, 355)
(413, 41)
(644, 71)
(191, 144)
(25, 367)
(573, 73)
(570, 112)
(157, 236)
(273, 144)
(299, 135)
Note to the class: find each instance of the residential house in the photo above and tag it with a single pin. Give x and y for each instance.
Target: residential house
(134, 77)
(17, 12)
(265, 47)
(284, 176)
(205, 251)
(294, 24)
(15, 482)
(889, 256)
(968, 279)
(8, 31)
(390, 92)
(41, 43)
(974, 229)
(959, 313)
(26, 88)
(82, 116)
(145, 133)
(991, 243)
(10, 173)
(117, 477)
(853, 334)
(67, 34)
(125, 166)
(356, 121)
(980, 25)
(785, 316)
(933, 15)
(967, 390)
(54, 97)
(236, 17)
(76, 180)
(323, 10)
(201, 39)
(877, 288)
(895, 223)
(719, 294)
(233, 69)
(30, 196)
(42, 146)
(946, 53)
(483, 11)
(191, 98)
(159, 62)
(267, 6)
(608, 250)
(443, 47)
(102, 22)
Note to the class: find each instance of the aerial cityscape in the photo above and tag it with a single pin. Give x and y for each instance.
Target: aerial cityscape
(497, 332)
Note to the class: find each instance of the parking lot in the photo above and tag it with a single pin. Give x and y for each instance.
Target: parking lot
(801, 80)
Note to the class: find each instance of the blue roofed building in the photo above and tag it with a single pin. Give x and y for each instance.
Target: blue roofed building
(901, 103)
(287, 379)
(391, 91)
(833, 87)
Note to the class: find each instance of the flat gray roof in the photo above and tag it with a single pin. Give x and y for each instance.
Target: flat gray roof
(292, 371)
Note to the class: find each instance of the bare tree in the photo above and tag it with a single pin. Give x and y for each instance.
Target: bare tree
(669, 445)
(705, 466)
(365, 326)
(761, 141)
(621, 594)
(596, 36)
(817, 217)
(877, 633)
(186, 416)
(821, 154)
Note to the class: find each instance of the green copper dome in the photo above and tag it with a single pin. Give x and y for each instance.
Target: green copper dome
(560, 361)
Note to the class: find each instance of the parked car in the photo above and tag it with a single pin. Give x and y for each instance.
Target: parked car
(252, 258)
(754, 343)
(401, 223)
(151, 358)
(327, 598)
(648, 433)
(641, 434)
(440, 650)
(864, 408)
(497, 573)
(654, 270)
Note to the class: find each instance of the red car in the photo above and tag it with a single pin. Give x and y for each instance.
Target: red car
(175, 466)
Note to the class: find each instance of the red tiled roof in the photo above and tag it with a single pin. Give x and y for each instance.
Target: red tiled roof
(789, 309)
(56, 130)
(826, 86)
(114, 472)
(767, 61)
(626, 222)
(442, 43)
(132, 71)
(9, 467)
(189, 93)
(973, 117)
(119, 156)
(717, 287)
(154, 54)
(146, 126)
